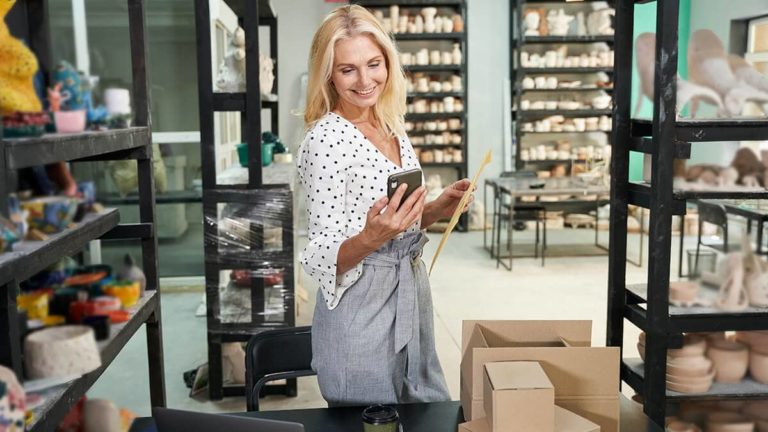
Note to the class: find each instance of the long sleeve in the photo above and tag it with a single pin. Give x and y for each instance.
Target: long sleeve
(323, 174)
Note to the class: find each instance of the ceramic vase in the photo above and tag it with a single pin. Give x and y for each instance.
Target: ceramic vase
(456, 54)
(458, 23)
(429, 19)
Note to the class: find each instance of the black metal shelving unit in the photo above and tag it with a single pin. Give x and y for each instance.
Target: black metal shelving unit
(261, 206)
(427, 40)
(646, 306)
(30, 257)
(519, 41)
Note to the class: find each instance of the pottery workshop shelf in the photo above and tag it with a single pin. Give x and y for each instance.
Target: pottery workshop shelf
(566, 70)
(34, 256)
(60, 399)
(568, 39)
(433, 68)
(564, 89)
(639, 194)
(565, 113)
(436, 95)
(169, 197)
(564, 132)
(701, 130)
(434, 116)
(103, 145)
(558, 161)
(429, 36)
(632, 371)
(695, 318)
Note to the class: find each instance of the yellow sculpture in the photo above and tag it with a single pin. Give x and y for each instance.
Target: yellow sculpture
(18, 66)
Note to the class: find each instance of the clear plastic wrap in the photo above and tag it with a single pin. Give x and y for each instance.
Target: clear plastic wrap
(250, 258)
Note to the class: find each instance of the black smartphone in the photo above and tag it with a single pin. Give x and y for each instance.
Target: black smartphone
(411, 177)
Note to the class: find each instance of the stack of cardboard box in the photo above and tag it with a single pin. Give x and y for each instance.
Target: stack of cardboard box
(582, 379)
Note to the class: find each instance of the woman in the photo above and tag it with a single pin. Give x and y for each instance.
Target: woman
(372, 334)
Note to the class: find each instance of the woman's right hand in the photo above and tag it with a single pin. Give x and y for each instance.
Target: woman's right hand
(381, 227)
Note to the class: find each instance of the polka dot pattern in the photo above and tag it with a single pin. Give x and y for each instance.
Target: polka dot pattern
(343, 174)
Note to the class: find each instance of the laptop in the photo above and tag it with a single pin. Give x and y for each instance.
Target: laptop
(171, 420)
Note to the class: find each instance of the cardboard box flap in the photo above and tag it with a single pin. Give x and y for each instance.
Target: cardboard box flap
(517, 376)
(566, 421)
(577, 333)
(479, 425)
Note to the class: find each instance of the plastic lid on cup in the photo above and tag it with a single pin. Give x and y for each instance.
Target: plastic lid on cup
(380, 414)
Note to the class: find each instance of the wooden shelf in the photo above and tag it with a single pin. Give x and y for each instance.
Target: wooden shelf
(50, 148)
(61, 399)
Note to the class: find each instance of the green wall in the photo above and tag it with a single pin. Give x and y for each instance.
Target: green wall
(645, 21)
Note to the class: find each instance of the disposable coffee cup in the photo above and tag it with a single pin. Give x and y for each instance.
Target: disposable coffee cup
(380, 418)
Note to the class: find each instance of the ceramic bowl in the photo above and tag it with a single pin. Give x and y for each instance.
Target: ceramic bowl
(729, 422)
(689, 366)
(755, 339)
(730, 360)
(69, 121)
(693, 346)
(758, 366)
(127, 291)
(683, 291)
(50, 214)
(692, 381)
(688, 388)
(61, 351)
(681, 426)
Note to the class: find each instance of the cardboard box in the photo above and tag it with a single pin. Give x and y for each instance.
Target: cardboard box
(518, 397)
(586, 379)
(565, 421)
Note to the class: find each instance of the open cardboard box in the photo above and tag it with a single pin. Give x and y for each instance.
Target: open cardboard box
(565, 421)
(586, 379)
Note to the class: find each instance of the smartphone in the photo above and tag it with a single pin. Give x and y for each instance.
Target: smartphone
(411, 177)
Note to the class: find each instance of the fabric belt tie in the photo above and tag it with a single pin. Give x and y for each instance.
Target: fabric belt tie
(406, 262)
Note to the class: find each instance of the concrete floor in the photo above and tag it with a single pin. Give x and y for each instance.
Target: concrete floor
(466, 285)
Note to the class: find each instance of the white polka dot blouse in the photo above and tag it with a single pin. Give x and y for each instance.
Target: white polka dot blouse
(343, 174)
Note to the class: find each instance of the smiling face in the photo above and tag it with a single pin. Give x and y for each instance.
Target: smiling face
(359, 72)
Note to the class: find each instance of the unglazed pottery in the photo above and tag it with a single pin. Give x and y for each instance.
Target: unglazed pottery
(688, 388)
(730, 360)
(61, 351)
(680, 426)
(733, 295)
(693, 345)
(683, 291)
(758, 365)
(689, 366)
(755, 274)
(101, 415)
(728, 422)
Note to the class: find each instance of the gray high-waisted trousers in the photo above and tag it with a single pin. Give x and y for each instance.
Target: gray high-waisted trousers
(378, 344)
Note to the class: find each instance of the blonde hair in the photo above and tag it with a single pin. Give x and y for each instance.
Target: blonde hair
(343, 23)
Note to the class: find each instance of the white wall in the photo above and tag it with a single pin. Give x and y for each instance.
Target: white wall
(716, 15)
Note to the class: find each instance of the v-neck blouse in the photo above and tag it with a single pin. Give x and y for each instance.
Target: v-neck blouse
(343, 174)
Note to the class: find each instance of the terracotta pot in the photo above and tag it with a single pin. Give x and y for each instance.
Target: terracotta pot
(688, 388)
(730, 360)
(689, 366)
(693, 345)
(692, 381)
(683, 291)
(729, 422)
(755, 339)
(681, 426)
(758, 366)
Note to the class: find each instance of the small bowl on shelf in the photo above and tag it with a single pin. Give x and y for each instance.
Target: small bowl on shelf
(683, 291)
(69, 121)
(730, 359)
(693, 346)
(699, 387)
(758, 365)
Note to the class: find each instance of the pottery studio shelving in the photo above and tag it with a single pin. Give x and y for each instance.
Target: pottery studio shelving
(647, 306)
(561, 85)
(248, 227)
(30, 257)
(434, 57)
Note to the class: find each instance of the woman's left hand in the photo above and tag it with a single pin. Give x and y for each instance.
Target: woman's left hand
(446, 203)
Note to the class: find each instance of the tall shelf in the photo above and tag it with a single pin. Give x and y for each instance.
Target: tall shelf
(239, 217)
(646, 306)
(411, 43)
(30, 257)
(527, 140)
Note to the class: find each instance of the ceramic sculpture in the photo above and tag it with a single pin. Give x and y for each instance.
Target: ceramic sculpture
(233, 362)
(558, 22)
(61, 351)
(266, 77)
(429, 19)
(733, 295)
(710, 66)
(231, 73)
(17, 92)
(645, 47)
(755, 274)
(599, 22)
(531, 21)
(13, 405)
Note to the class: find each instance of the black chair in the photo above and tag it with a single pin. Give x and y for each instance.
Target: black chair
(517, 215)
(276, 355)
(715, 214)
